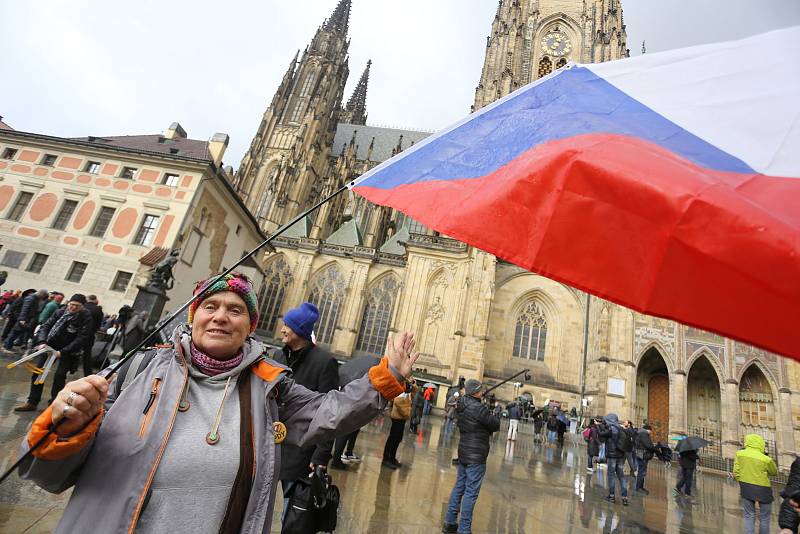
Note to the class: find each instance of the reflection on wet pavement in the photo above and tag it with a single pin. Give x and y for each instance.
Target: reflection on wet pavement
(528, 488)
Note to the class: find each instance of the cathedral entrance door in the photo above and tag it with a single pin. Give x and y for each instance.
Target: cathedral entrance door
(658, 407)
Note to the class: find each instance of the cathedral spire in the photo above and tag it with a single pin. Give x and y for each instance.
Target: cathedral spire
(355, 112)
(340, 18)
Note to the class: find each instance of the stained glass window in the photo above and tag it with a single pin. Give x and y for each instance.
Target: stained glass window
(530, 335)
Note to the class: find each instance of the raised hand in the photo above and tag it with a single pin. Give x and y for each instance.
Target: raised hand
(401, 353)
(79, 402)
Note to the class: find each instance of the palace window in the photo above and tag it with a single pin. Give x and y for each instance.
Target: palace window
(9, 153)
(278, 278)
(102, 222)
(327, 294)
(92, 167)
(545, 67)
(128, 173)
(530, 335)
(65, 214)
(49, 160)
(377, 315)
(13, 259)
(561, 63)
(76, 271)
(37, 263)
(121, 281)
(170, 179)
(147, 231)
(16, 212)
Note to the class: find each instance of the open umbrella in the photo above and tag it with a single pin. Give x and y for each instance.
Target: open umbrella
(692, 443)
(667, 183)
(356, 368)
(429, 385)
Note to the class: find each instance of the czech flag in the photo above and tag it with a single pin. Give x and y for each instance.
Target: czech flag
(668, 183)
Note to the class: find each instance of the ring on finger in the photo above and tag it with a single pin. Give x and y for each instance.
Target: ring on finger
(71, 398)
(65, 410)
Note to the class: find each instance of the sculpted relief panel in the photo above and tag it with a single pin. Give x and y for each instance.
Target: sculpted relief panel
(653, 329)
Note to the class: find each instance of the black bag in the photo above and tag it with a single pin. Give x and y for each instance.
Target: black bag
(313, 504)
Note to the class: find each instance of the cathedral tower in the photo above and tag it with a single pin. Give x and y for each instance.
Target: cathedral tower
(531, 38)
(287, 166)
(355, 112)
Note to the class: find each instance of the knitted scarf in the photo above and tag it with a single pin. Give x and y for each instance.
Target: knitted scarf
(211, 366)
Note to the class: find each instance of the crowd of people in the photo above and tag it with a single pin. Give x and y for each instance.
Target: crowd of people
(313, 413)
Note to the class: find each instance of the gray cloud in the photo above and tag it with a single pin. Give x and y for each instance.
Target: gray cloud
(89, 67)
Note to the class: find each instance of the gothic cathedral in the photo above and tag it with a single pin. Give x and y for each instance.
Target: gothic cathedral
(372, 270)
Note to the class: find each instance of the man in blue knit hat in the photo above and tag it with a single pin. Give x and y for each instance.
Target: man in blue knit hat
(314, 368)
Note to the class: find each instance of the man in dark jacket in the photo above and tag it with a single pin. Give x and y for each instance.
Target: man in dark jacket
(26, 318)
(644, 450)
(476, 425)
(514, 416)
(612, 432)
(65, 331)
(314, 368)
(96, 311)
(788, 518)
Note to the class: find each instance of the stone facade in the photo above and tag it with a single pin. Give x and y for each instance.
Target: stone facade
(115, 206)
(373, 271)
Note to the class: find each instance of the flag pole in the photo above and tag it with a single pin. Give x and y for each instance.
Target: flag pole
(152, 336)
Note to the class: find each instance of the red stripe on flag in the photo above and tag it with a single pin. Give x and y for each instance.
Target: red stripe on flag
(633, 223)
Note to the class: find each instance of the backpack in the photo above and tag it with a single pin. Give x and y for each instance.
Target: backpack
(624, 441)
(587, 433)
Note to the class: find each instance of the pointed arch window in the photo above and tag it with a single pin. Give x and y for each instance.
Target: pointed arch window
(561, 63)
(327, 294)
(545, 67)
(377, 315)
(297, 112)
(530, 334)
(278, 278)
(308, 84)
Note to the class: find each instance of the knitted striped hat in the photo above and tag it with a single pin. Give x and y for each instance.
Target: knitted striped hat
(236, 282)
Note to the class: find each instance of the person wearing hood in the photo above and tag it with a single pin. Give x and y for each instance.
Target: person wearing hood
(613, 432)
(187, 438)
(476, 424)
(752, 469)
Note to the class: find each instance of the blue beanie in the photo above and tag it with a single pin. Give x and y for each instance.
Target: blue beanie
(302, 320)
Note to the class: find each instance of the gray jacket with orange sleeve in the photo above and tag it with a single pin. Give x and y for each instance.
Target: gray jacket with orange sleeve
(113, 458)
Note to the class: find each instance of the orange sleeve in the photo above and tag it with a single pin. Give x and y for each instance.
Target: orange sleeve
(383, 380)
(55, 447)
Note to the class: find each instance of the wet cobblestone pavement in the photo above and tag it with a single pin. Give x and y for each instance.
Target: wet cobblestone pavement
(528, 488)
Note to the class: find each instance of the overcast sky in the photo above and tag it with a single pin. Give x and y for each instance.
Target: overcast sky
(93, 67)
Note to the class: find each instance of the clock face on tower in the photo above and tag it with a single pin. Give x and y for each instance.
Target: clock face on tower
(556, 43)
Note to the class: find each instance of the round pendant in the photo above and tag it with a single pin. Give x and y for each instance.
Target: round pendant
(183, 406)
(212, 439)
(279, 430)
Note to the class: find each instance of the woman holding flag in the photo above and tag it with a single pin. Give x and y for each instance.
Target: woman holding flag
(187, 438)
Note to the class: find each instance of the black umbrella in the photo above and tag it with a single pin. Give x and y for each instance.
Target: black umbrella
(356, 368)
(692, 443)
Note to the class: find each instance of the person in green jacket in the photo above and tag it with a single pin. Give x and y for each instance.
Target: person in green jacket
(752, 470)
(51, 306)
